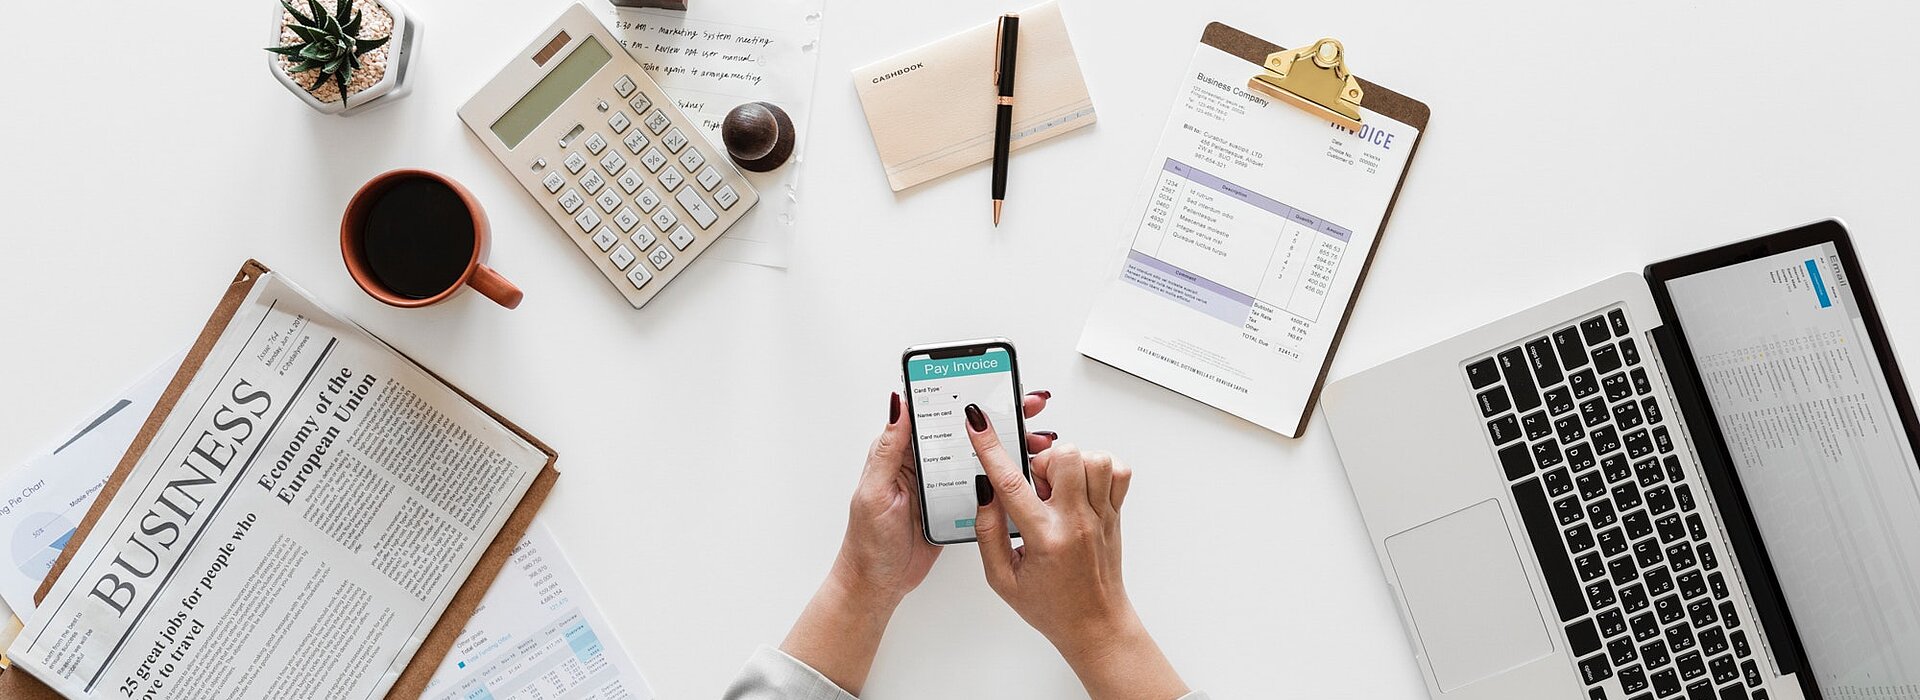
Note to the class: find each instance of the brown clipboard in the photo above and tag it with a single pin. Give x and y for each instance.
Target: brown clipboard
(1382, 100)
(18, 685)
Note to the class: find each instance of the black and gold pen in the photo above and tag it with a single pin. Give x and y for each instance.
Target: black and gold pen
(1006, 46)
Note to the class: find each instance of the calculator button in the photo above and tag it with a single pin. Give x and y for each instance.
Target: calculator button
(647, 199)
(664, 219)
(592, 182)
(624, 86)
(696, 207)
(643, 238)
(595, 143)
(708, 178)
(607, 201)
(618, 122)
(586, 219)
(629, 180)
(622, 257)
(601, 105)
(658, 121)
(571, 201)
(681, 238)
(604, 238)
(539, 163)
(626, 219)
(635, 141)
(653, 160)
(554, 182)
(575, 162)
(640, 103)
(612, 162)
(660, 257)
(639, 276)
(671, 178)
(692, 160)
(674, 140)
(725, 197)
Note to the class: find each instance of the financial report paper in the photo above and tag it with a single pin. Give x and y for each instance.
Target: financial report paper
(44, 500)
(1245, 250)
(537, 635)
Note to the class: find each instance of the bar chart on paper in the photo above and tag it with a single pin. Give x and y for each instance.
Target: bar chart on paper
(1236, 255)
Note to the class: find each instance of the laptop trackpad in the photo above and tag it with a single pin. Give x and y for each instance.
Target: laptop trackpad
(1472, 606)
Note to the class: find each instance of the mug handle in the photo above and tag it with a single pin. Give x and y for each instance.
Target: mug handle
(485, 281)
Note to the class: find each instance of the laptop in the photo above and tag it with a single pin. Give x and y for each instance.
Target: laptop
(1697, 482)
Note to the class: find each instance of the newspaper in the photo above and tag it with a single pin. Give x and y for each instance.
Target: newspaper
(296, 527)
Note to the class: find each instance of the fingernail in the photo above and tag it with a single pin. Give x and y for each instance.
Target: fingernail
(893, 409)
(1048, 434)
(1042, 393)
(975, 419)
(982, 491)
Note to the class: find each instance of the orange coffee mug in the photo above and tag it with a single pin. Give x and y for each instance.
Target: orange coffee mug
(414, 238)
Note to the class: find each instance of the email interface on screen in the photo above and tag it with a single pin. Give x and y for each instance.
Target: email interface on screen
(939, 391)
(1798, 392)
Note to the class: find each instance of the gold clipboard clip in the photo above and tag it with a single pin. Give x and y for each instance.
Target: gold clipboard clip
(1314, 78)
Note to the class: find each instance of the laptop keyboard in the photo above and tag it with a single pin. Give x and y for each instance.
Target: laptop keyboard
(1613, 520)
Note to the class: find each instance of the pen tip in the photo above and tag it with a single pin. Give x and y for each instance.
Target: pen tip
(996, 211)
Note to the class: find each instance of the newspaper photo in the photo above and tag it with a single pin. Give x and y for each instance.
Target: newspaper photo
(295, 528)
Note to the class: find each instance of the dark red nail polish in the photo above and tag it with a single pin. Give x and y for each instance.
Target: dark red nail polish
(893, 409)
(1048, 434)
(976, 419)
(1042, 393)
(982, 491)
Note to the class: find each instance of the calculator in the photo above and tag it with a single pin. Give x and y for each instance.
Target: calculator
(623, 172)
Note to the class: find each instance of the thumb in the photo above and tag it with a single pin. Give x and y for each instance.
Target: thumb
(990, 529)
(888, 450)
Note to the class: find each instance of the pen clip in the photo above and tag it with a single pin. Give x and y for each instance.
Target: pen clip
(999, 27)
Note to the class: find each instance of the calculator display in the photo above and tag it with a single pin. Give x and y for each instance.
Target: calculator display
(547, 95)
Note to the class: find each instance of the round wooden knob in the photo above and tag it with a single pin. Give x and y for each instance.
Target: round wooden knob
(758, 135)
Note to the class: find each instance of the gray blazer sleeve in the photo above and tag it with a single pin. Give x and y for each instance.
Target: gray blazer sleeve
(773, 675)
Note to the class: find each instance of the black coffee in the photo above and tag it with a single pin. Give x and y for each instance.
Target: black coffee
(418, 238)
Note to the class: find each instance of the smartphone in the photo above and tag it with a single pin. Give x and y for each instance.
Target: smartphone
(941, 379)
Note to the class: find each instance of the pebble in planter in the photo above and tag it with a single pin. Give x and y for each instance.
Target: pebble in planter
(339, 60)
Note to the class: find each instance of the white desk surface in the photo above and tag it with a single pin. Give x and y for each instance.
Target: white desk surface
(709, 443)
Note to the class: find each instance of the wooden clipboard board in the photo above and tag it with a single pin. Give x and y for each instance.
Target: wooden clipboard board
(18, 685)
(1379, 99)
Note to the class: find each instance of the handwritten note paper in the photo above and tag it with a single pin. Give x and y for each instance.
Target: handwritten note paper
(721, 58)
(720, 54)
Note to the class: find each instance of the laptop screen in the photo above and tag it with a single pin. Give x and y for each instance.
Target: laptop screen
(1813, 432)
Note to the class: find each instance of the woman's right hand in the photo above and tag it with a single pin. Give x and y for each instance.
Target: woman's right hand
(1065, 580)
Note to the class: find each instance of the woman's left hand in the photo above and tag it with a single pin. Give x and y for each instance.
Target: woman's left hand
(884, 555)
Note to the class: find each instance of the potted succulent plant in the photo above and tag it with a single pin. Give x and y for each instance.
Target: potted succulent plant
(341, 58)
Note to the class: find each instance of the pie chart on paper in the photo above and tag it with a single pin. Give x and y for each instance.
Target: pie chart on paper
(38, 542)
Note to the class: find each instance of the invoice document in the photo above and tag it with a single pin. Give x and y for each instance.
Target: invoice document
(1245, 251)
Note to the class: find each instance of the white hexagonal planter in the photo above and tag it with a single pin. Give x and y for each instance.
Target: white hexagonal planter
(392, 59)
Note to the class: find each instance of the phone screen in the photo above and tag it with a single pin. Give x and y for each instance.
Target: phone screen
(940, 384)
